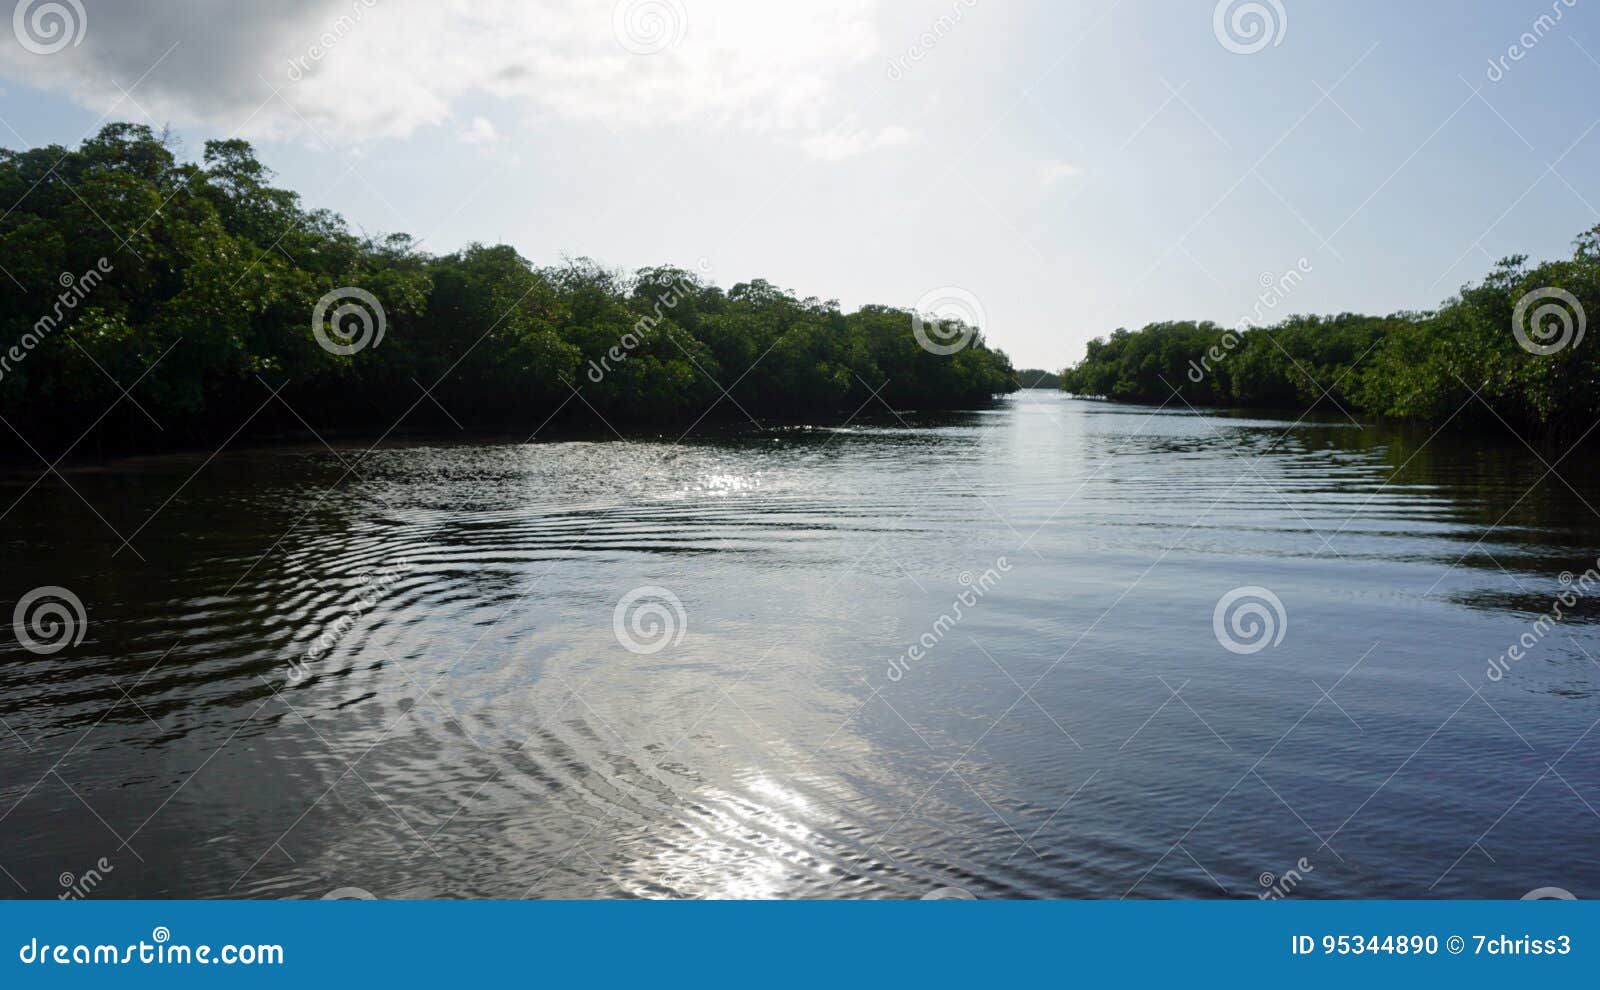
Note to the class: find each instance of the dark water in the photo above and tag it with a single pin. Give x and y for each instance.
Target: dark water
(474, 726)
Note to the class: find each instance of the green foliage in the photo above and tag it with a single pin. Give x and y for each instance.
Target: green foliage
(1423, 366)
(216, 272)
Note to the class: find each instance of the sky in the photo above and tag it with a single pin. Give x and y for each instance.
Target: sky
(1060, 168)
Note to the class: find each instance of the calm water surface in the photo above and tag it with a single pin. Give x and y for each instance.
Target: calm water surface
(470, 723)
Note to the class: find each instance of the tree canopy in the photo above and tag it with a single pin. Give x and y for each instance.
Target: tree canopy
(1038, 378)
(1516, 340)
(193, 285)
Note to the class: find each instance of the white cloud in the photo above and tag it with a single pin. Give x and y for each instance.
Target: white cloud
(1054, 171)
(480, 132)
(358, 70)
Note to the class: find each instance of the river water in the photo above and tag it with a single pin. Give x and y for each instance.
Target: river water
(975, 653)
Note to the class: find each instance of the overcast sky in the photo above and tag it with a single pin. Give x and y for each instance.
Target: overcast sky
(1074, 165)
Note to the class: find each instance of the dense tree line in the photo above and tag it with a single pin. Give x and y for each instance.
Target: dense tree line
(1038, 378)
(194, 285)
(1516, 339)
